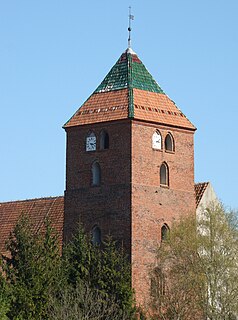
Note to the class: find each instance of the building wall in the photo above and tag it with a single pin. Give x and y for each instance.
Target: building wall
(208, 199)
(129, 204)
(107, 205)
(152, 204)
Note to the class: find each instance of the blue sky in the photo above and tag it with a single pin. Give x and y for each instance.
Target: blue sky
(53, 54)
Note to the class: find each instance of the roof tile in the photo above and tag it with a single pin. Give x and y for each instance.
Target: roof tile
(129, 91)
(37, 210)
(199, 191)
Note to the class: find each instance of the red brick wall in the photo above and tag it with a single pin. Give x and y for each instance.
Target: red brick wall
(130, 204)
(153, 205)
(108, 205)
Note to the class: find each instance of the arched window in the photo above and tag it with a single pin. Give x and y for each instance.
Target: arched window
(164, 174)
(169, 142)
(164, 232)
(96, 174)
(157, 284)
(91, 142)
(96, 236)
(156, 140)
(104, 140)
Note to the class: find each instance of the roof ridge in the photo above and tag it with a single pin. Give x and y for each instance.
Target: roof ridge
(33, 199)
(130, 87)
(205, 182)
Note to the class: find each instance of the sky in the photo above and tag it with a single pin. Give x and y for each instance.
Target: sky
(53, 55)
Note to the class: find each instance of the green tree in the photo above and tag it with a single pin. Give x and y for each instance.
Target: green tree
(79, 258)
(4, 299)
(197, 268)
(114, 276)
(104, 268)
(218, 253)
(32, 270)
(87, 282)
(177, 283)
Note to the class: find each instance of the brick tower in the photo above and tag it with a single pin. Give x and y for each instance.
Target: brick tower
(130, 165)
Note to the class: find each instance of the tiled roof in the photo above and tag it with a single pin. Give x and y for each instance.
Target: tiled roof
(157, 107)
(37, 210)
(129, 91)
(100, 107)
(128, 71)
(199, 191)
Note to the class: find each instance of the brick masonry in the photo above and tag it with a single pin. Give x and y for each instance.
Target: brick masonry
(107, 205)
(152, 204)
(129, 204)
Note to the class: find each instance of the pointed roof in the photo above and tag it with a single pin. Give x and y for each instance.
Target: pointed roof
(129, 91)
(128, 71)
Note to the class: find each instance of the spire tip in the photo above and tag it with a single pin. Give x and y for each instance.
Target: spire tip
(131, 17)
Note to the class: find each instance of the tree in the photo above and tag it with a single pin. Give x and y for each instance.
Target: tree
(79, 258)
(197, 269)
(87, 282)
(4, 299)
(177, 282)
(84, 303)
(114, 278)
(32, 270)
(104, 268)
(218, 252)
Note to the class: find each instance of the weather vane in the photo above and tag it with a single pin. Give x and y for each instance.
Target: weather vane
(131, 17)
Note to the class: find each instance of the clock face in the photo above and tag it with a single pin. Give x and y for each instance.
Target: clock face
(156, 141)
(91, 143)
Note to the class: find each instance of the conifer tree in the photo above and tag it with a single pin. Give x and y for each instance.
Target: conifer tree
(114, 276)
(104, 268)
(94, 280)
(79, 258)
(4, 298)
(32, 270)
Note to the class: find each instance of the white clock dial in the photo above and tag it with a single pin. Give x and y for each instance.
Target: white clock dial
(156, 141)
(91, 144)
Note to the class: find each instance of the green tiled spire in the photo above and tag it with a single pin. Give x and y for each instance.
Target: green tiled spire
(129, 72)
(142, 79)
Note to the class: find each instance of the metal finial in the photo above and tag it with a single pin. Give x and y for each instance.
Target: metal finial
(131, 17)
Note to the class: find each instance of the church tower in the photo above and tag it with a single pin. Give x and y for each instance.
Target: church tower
(129, 166)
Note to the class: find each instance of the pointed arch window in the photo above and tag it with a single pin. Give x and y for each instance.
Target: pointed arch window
(164, 174)
(96, 174)
(157, 284)
(169, 142)
(96, 236)
(164, 232)
(157, 140)
(104, 140)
